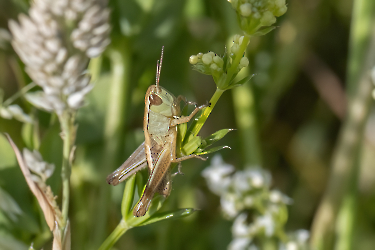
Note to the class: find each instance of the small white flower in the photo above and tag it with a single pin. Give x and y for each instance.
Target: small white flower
(240, 182)
(217, 175)
(248, 201)
(291, 246)
(228, 205)
(239, 244)
(266, 222)
(277, 197)
(240, 227)
(302, 236)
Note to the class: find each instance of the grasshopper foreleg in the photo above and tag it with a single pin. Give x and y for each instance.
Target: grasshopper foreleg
(183, 98)
(185, 119)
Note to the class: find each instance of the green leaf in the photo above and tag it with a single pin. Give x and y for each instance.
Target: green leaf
(9, 205)
(127, 199)
(6, 154)
(241, 82)
(263, 31)
(192, 144)
(7, 242)
(202, 68)
(169, 215)
(181, 132)
(212, 150)
(208, 141)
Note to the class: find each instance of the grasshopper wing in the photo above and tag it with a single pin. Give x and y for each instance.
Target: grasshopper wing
(156, 181)
(133, 164)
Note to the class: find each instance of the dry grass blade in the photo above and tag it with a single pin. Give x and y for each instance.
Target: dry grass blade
(49, 211)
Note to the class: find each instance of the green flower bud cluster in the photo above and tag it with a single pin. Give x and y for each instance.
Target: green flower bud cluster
(254, 14)
(221, 67)
(209, 64)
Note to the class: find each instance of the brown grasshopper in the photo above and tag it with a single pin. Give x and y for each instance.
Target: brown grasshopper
(161, 117)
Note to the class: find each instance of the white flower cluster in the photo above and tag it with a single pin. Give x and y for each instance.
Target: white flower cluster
(243, 193)
(253, 14)
(41, 169)
(298, 240)
(55, 43)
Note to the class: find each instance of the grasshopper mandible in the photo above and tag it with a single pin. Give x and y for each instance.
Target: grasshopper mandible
(161, 117)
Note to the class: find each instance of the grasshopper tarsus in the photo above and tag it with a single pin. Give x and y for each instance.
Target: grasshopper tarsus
(178, 170)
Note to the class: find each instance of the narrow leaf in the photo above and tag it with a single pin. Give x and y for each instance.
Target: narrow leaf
(127, 199)
(44, 202)
(212, 150)
(169, 215)
(208, 141)
(264, 31)
(193, 143)
(241, 82)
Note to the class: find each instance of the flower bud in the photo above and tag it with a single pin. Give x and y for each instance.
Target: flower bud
(244, 62)
(207, 58)
(245, 9)
(193, 59)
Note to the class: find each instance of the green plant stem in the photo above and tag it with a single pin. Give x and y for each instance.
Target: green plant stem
(18, 94)
(198, 124)
(68, 135)
(121, 228)
(119, 55)
(339, 199)
(246, 120)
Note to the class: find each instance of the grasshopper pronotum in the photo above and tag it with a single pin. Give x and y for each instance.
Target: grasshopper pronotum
(158, 151)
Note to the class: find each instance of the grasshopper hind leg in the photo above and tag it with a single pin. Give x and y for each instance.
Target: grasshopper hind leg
(165, 186)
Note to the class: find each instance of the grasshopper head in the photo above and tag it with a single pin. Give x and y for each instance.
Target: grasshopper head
(163, 102)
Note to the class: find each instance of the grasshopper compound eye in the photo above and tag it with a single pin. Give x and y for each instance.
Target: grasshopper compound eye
(155, 100)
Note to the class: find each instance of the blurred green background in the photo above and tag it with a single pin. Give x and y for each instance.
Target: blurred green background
(298, 99)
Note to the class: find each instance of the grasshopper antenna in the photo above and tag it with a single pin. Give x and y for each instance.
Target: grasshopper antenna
(158, 67)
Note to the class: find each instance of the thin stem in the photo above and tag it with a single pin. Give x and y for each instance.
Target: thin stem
(18, 94)
(197, 125)
(119, 55)
(121, 228)
(345, 165)
(246, 120)
(68, 135)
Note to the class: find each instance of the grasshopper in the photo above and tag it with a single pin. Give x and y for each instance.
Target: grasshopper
(161, 116)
